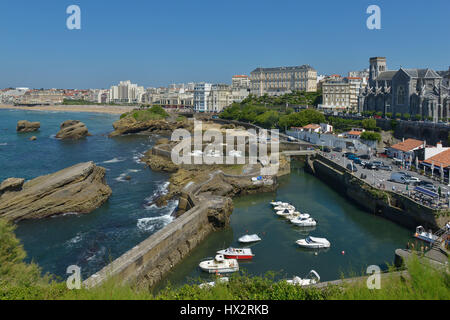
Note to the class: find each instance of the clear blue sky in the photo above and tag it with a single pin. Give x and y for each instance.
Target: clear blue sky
(154, 43)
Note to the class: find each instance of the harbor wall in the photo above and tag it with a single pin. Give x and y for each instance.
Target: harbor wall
(393, 206)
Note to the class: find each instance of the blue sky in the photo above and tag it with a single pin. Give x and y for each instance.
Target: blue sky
(154, 43)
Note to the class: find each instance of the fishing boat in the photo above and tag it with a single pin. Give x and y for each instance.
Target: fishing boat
(312, 278)
(213, 283)
(239, 254)
(425, 236)
(249, 238)
(219, 265)
(313, 243)
(304, 222)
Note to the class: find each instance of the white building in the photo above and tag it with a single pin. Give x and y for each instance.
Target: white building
(202, 92)
(126, 92)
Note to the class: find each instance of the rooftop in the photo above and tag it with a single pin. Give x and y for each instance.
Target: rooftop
(408, 145)
(441, 158)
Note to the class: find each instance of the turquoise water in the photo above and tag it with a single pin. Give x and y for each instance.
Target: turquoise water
(364, 238)
(92, 240)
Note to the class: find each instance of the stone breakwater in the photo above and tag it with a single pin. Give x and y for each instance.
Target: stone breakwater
(81, 189)
(384, 203)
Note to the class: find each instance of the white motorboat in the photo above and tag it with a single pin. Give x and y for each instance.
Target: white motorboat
(285, 212)
(249, 238)
(278, 203)
(312, 278)
(219, 265)
(297, 214)
(313, 243)
(280, 208)
(425, 236)
(213, 283)
(237, 253)
(304, 222)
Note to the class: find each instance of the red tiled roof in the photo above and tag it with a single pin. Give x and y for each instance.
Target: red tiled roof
(441, 158)
(355, 133)
(408, 145)
(240, 76)
(312, 126)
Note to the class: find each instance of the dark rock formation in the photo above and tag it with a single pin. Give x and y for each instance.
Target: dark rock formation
(27, 126)
(81, 188)
(129, 125)
(72, 130)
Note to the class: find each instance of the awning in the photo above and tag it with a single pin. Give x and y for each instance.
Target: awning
(426, 192)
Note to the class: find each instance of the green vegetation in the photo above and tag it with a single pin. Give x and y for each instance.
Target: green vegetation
(22, 281)
(272, 112)
(370, 135)
(148, 113)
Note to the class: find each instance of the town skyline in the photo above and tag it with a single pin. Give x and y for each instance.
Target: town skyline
(193, 44)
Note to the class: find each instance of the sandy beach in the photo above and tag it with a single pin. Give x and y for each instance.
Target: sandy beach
(75, 108)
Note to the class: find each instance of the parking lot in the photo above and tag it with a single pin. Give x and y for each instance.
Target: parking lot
(381, 179)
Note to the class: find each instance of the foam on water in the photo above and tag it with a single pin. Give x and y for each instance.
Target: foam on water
(115, 160)
(159, 222)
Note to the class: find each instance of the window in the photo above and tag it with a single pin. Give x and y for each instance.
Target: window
(401, 95)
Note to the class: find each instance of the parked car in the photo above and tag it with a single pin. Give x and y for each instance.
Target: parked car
(347, 154)
(326, 149)
(352, 168)
(337, 149)
(364, 156)
(411, 180)
(399, 177)
(370, 166)
(385, 167)
(352, 157)
(357, 161)
(378, 163)
(427, 185)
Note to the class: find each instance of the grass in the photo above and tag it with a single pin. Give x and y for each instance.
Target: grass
(23, 281)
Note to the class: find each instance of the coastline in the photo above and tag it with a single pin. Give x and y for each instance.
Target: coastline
(74, 108)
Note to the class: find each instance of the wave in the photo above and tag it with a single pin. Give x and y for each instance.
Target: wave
(3, 144)
(75, 239)
(153, 223)
(115, 160)
(161, 190)
(122, 177)
(137, 157)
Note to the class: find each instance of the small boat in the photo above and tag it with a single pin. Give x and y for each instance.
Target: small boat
(313, 243)
(249, 238)
(239, 254)
(304, 222)
(280, 208)
(219, 265)
(278, 203)
(312, 278)
(213, 283)
(297, 214)
(425, 236)
(285, 213)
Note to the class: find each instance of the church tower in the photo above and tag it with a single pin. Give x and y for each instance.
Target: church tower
(377, 65)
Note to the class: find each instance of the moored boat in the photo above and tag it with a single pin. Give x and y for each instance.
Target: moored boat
(285, 212)
(313, 243)
(213, 283)
(219, 265)
(279, 203)
(249, 238)
(425, 236)
(304, 222)
(312, 278)
(288, 207)
(239, 254)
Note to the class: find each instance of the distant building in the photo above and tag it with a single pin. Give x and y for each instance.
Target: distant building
(240, 81)
(126, 92)
(335, 95)
(201, 96)
(41, 97)
(220, 97)
(414, 91)
(355, 133)
(282, 80)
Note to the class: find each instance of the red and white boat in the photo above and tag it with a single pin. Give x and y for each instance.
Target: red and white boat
(239, 254)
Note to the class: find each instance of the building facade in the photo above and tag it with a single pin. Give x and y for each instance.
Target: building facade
(406, 91)
(202, 92)
(282, 80)
(126, 92)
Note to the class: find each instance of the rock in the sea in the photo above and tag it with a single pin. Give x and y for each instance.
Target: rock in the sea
(11, 184)
(33, 138)
(72, 130)
(81, 188)
(129, 125)
(27, 126)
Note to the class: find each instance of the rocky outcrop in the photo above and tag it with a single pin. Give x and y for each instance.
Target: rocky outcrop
(72, 130)
(128, 125)
(11, 185)
(159, 163)
(80, 189)
(27, 126)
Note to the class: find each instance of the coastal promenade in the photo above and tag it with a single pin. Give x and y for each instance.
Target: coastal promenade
(109, 109)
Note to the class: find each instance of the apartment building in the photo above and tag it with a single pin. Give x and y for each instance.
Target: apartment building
(126, 92)
(202, 91)
(341, 93)
(282, 80)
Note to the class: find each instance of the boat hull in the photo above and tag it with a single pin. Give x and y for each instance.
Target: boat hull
(238, 257)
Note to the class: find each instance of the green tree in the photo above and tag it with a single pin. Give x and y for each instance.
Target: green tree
(370, 135)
